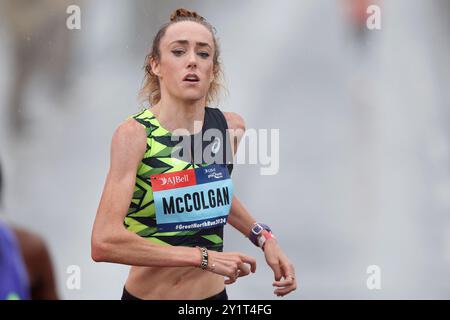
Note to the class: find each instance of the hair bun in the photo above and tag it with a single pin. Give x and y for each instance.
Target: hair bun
(184, 13)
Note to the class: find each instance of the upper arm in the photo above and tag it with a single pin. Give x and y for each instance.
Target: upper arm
(127, 150)
(128, 146)
(236, 125)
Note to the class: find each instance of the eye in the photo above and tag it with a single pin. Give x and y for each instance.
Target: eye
(177, 52)
(203, 54)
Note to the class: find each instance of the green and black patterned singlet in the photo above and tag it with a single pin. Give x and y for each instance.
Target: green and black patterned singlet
(158, 158)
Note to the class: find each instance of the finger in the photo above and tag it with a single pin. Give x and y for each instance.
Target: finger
(243, 270)
(284, 283)
(232, 275)
(284, 291)
(293, 285)
(230, 280)
(251, 261)
(286, 280)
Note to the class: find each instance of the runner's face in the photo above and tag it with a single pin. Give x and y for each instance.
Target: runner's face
(186, 48)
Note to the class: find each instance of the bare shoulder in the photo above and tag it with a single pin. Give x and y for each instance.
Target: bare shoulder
(234, 121)
(236, 124)
(129, 137)
(129, 131)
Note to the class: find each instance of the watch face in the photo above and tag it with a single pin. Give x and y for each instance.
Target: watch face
(257, 229)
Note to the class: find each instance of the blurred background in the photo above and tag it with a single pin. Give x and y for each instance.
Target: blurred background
(364, 115)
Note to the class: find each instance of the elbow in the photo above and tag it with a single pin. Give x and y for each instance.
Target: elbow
(97, 254)
(99, 249)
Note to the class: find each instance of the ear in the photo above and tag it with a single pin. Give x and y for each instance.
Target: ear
(214, 73)
(155, 67)
(211, 77)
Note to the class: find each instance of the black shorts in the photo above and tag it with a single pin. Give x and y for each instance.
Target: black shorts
(220, 296)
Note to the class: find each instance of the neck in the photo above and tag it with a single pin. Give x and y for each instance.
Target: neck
(176, 114)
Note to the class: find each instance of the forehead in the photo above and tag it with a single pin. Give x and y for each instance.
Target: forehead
(187, 30)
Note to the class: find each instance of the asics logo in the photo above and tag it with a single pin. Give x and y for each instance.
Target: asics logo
(215, 145)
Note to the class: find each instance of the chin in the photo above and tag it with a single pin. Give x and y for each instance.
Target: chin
(192, 96)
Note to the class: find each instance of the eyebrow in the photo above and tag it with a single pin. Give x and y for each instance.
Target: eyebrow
(200, 44)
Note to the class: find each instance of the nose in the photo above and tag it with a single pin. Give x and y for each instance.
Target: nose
(192, 62)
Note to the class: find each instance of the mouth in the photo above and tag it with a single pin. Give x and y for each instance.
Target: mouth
(191, 77)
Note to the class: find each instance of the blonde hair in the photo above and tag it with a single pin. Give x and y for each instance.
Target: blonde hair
(151, 90)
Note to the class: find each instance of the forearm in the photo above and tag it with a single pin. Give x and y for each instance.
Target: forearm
(111, 242)
(240, 218)
(128, 248)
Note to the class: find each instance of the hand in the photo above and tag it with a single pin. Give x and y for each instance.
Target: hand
(230, 264)
(281, 267)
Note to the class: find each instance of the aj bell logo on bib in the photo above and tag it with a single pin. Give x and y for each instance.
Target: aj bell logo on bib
(173, 180)
(192, 199)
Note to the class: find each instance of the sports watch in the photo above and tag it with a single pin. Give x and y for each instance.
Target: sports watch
(259, 234)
